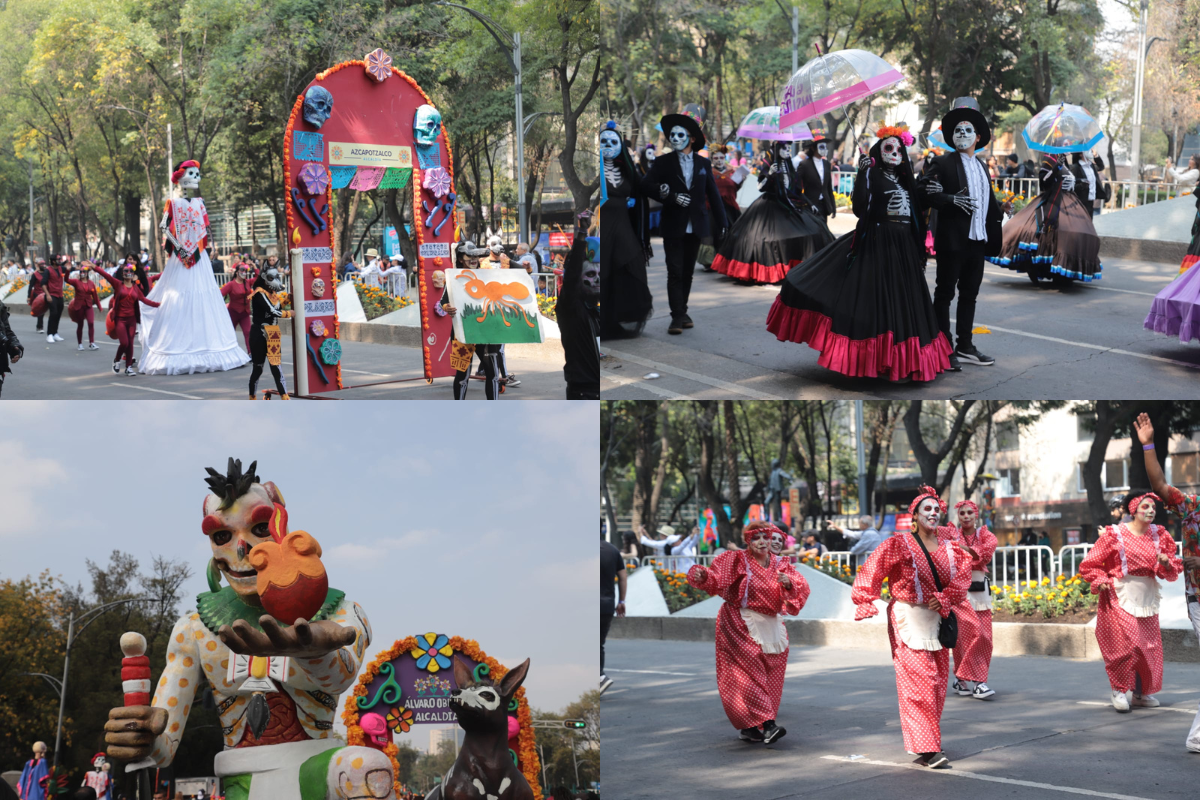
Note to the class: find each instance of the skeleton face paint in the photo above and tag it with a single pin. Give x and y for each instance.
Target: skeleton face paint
(591, 279)
(776, 543)
(892, 151)
(821, 150)
(190, 178)
(679, 138)
(650, 153)
(1145, 510)
(318, 105)
(610, 144)
(964, 137)
(928, 514)
(718, 161)
(966, 517)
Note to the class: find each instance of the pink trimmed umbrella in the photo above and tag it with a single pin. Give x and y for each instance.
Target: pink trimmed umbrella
(833, 81)
(763, 124)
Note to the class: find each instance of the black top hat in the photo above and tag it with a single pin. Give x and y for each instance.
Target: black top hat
(688, 123)
(966, 108)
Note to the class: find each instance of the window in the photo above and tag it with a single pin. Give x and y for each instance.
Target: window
(1010, 483)
(1116, 474)
(1084, 423)
(1184, 469)
(1007, 436)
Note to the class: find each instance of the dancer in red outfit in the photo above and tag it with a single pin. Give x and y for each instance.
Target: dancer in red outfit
(973, 653)
(752, 643)
(1122, 567)
(237, 293)
(126, 296)
(84, 304)
(914, 615)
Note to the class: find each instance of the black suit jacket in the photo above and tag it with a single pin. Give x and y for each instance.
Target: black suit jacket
(812, 187)
(706, 199)
(953, 224)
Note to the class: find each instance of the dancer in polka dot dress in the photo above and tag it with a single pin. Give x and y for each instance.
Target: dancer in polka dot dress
(1122, 568)
(914, 613)
(973, 653)
(1187, 506)
(752, 643)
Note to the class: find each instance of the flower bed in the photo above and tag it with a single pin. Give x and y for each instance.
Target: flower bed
(376, 302)
(678, 593)
(546, 305)
(1064, 600)
(830, 567)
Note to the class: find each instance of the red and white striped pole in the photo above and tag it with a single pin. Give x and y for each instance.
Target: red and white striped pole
(135, 669)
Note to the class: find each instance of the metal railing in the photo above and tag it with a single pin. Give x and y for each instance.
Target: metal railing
(842, 557)
(1069, 558)
(1022, 563)
(673, 563)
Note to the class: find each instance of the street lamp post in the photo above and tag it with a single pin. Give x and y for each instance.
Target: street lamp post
(1138, 80)
(795, 21)
(507, 41)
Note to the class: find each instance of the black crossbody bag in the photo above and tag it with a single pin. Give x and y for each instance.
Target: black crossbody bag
(948, 627)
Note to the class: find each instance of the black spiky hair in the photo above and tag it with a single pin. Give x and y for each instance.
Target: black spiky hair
(233, 484)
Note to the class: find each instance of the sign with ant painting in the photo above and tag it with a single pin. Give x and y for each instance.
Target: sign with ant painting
(495, 306)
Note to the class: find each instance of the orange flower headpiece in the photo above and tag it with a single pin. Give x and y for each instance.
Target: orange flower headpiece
(899, 131)
(922, 493)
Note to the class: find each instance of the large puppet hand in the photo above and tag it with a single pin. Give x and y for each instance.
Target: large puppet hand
(684, 200)
(302, 640)
(131, 730)
(965, 202)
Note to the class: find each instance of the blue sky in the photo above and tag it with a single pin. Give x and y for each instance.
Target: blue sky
(467, 519)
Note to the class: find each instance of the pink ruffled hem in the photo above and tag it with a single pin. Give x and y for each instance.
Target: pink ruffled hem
(760, 273)
(859, 358)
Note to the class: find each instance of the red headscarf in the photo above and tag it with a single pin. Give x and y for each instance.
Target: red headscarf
(1135, 502)
(177, 174)
(970, 503)
(922, 493)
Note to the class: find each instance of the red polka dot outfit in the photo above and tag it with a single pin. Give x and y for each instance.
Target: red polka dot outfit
(1131, 646)
(973, 655)
(921, 675)
(750, 681)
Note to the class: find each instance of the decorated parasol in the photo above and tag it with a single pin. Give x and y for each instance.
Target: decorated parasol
(833, 81)
(1062, 128)
(763, 124)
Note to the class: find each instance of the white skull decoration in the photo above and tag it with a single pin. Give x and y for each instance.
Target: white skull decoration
(427, 124)
(610, 144)
(679, 138)
(892, 151)
(318, 105)
(964, 137)
(821, 150)
(190, 179)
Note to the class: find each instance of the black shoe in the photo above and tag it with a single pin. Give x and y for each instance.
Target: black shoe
(676, 327)
(937, 761)
(687, 322)
(605, 682)
(971, 355)
(954, 365)
(750, 735)
(771, 731)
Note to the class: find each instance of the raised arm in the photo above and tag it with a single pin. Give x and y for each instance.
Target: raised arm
(113, 281)
(1145, 433)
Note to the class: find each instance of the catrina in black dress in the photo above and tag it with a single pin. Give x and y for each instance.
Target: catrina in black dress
(625, 300)
(862, 302)
(774, 234)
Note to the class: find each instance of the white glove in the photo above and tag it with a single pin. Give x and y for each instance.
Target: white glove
(933, 187)
(965, 202)
(663, 190)
(1068, 182)
(684, 200)
(774, 168)
(865, 161)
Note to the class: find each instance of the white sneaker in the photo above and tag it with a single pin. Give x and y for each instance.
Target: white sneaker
(1145, 701)
(93, 346)
(81, 346)
(1120, 701)
(116, 367)
(57, 338)
(130, 371)
(50, 338)
(983, 691)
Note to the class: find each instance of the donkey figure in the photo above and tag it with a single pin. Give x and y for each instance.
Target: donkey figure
(484, 770)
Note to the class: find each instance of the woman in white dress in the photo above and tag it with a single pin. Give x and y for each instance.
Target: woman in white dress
(190, 331)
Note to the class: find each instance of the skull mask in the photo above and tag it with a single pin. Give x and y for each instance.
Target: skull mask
(318, 105)
(892, 152)
(427, 124)
(190, 179)
(237, 519)
(591, 279)
(439, 279)
(679, 138)
(271, 279)
(964, 137)
(821, 150)
(610, 144)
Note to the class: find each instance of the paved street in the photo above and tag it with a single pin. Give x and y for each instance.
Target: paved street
(1078, 340)
(61, 372)
(1049, 732)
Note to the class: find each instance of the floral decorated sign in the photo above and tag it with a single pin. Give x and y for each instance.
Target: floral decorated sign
(410, 684)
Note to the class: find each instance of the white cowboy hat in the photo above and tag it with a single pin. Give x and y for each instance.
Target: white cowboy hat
(373, 253)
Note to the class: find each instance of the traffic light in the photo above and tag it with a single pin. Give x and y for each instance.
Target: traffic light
(574, 723)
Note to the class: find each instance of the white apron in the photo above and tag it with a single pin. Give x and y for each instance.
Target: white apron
(767, 631)
(980, 601)
(917, 626)
(1138, 595)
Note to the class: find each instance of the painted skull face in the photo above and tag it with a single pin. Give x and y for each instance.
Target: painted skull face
(966, 517)
(928, 514)
(272, 279)
(591, 279)
(718, 161)
(679, 138)
(439, 279)
(427, 124)
(776, 543)
(190, 179)
(318, 288)
(234, 531)
(650, 153)
(610, 144)
(891, 151)
(318, 105)
(964, 137)
(822, 150)
(1145, 510)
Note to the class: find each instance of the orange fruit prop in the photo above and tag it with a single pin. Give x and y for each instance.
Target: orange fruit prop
(292, 583)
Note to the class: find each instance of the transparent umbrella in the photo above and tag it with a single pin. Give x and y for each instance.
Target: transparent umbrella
(833, 81)
(763, 123)
(1062, 128)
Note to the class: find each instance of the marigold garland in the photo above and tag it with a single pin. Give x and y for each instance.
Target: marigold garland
(526, 744)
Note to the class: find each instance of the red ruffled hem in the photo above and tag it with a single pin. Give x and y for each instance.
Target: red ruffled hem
(859, 358)
(760, 273)
(1188, 261)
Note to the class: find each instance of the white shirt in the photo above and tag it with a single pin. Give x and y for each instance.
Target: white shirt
(819, 163)
(686, 547)
(686, 166)
(977, 186)
(658, 545)
(1185, 177)
(1089, 175)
